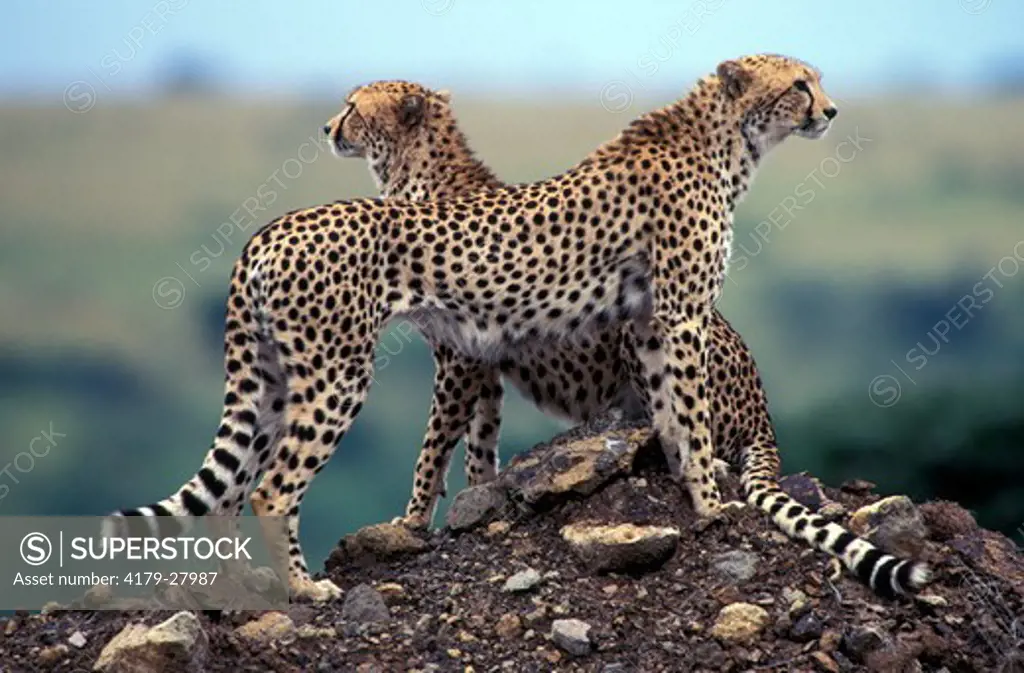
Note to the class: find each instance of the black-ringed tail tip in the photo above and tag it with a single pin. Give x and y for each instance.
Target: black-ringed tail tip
(151, 521)
(890, 577)
(887, 575)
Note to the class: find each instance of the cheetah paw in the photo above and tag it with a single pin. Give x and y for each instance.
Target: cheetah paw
(316, 592)
(411, 522)
(732, 507)
(835, 569)
(720, 467)
(719, 512)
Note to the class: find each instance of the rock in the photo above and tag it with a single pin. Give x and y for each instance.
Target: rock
(739, 622)
(571, 465)
(932, 600)
(572, 635)
(374, 544)
(803, 488)
(806, 628)
(310, 631)
(98, 595)
(857, 486)
(832, 511)
(364, 604)
(825, 662)
(737, 566)
(892, 523)
(622, 547)
(496, 528)
(829, 641)
(614, 667)
(991, 554)
(77, 640)
(476, 505)
(173, 646)
(522, 581)
(535, 616)
(552, 656)
(53, 654)
(509, 626)
(369, 667)
(863, 641)
(302, 613)
(796, 601)
(947, 520)
(711, 655)
(267, 628)
(392, 592)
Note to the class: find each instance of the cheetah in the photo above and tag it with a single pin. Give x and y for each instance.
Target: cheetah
(411, 141)
(637, 234)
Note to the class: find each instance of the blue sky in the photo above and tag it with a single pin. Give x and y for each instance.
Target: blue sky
(273, 48)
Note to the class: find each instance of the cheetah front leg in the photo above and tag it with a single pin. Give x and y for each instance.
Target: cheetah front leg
(673, 363)
(629, 353)
(457, 388)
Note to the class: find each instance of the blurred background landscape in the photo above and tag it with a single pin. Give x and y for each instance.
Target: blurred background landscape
(878, 274)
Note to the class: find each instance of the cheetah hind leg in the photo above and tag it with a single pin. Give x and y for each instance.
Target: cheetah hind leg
(484, 428)
(259, 580)
(314, 423)
(457, 388)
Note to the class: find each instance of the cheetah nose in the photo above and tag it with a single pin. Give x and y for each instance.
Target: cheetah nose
(830, 112)
(327, 129)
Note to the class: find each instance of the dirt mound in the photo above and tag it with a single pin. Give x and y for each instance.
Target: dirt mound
(513, 591)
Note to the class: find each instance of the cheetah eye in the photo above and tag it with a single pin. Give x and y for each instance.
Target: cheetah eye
(801, 85)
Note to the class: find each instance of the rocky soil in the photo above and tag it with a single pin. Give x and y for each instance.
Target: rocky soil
(586, 557)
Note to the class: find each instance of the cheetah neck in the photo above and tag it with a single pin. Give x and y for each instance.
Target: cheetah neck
(706, 123)
(438, 164)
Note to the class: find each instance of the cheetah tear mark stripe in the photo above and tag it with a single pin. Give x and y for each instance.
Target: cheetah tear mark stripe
(887, 575)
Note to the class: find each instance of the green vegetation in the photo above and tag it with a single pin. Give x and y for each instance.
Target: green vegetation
(850, 263)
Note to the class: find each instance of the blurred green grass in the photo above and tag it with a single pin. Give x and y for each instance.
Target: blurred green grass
(97, 207)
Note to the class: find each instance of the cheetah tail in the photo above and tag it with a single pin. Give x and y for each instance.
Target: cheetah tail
(163, 519)
(887, 575)
(251, 424)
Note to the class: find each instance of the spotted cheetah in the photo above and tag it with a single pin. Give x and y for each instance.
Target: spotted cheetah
(637, 234)
(410, 138)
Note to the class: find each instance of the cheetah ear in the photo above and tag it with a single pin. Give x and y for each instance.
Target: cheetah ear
(445, 95)
(410, 111)
(735, 78)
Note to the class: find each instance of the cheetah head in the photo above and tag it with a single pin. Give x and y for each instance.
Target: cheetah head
(777, 96)
(379, 117)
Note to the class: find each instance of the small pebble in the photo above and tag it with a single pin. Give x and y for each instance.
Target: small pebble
(523, 581)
